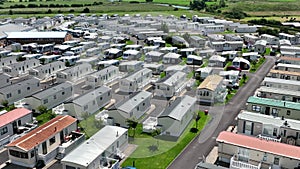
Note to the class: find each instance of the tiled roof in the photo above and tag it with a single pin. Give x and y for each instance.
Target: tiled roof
(254, 143)
(13, 115)
(42, 133)
(285, 72)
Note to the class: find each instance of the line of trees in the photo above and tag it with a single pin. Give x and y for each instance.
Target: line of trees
(53, 5)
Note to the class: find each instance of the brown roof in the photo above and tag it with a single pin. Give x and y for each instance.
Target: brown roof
(211, 82)
(254, 143)
(285, 72)
(13, 115)
(289, 58)
(42, 133)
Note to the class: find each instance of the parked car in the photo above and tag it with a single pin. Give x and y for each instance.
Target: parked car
(233, 68)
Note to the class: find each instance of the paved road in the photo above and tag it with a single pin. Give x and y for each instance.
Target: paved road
(222, 117)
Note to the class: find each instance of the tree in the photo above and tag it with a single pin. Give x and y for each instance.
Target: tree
(42, 60)
(132, 124)
(149, 0)
(222, 4)
(197, 4)
(67, 64)
(4, 103)
(235, 13)
(86, 10)
(98, 123)
(10, 12)
(42, 109)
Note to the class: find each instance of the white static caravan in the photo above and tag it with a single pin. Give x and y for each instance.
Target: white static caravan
(51, 97)
(91, 60)
(281, 83)
(251, 56)
(194, 60)
(45, 48)
(133, 47)
(60, 49)
(112, 53)
(102, 77)
(77, 50)
(202, 73)
(87, 45)
(103, 46)
(75, 73)
(171, 85)
(288, 67)
(32, 56)
(147, 49)
(89, 102)
(95, 51)
(135, 81)
(153, 56)
(18, 91)
(4, 53)
(171, 58)
(131, 55)
(72, 43)
(20, 68)
(107, 63)
(70, 59)
(166, 50)
(131, 66)
(110, 141)
(156, 68)
(49, 58)
(47, 70)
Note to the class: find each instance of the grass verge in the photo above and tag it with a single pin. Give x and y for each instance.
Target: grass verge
(255, 65)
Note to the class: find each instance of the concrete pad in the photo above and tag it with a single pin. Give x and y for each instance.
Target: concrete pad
(212, 156)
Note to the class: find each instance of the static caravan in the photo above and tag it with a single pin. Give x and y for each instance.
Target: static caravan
(103, 46)
(70, 59)
(194, 60)
(202, 73)
(288, 67)
(153, 56)
(112, 53)
(133, 47)
(72, 43)
(77, 50)
(187, 51)
(156, 68)
(4, 53)
(49, 58)
(88, 44)
(44, 48)
(107, 63)
(32, 56)
(102, 77)
(96, 51)
(171, 58)
(60, 49)
(131, 66)
(281, 83)
(131, 55)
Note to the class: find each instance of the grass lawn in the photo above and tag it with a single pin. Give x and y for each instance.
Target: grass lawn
(230, 95)
(268, 51)
(228, 64)
(142, 58)
(45, 117)
(183, 62)
(256, 65)
(162, 75)
(157, 154)
(205, 63)
(190, 75)
(90, 126)
(243, 81)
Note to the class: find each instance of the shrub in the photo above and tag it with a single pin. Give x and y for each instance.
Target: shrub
(134, 2)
